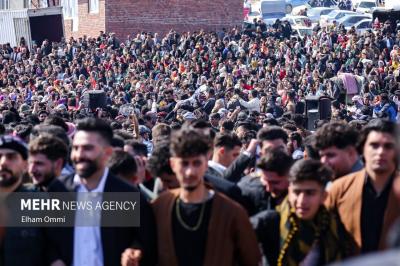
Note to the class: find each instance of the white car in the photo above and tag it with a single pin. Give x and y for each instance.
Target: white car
(302, 32)
(298, 21)
(334, 15)
(315, 13)
(365, 6)
(362, 26)
(351, 20)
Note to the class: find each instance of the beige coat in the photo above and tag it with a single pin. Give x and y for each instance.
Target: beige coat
(345, 197)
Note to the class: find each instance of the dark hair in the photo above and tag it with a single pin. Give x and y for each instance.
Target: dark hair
(310, 170)
(215, 116)
(276, 161)
(297, 137)
(96, 125)
(138, 147)
(23, 131)
(56, 121)
(2, 129)
(190, 142)
(272, 133)
(248, 136)
(116, 125)
(9, 117)
(271, 122)
(254, 93)
(122, 164)
(378, 125)
(158, 162)
(335, 134)
(117, 142)
(51, 130)
(123, 134)
(52, 147)
(204, 126)
(32, 119)
(161, 130)
(245, 125)
(175, 125)
(289, 127)
(228, 125)
(309, 147)
(298, 120)
(227, 140)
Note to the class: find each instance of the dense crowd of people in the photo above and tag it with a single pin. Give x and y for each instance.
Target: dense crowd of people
(211, 128)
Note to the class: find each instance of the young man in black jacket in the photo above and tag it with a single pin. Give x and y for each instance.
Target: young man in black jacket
(18, 245)
(301, 230)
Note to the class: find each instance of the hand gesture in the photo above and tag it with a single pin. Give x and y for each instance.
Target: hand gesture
(131, 257)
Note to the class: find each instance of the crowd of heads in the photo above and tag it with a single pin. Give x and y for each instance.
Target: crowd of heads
(176, 102)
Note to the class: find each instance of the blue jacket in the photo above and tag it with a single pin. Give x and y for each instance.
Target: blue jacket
(386, 110)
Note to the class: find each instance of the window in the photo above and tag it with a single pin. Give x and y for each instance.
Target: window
(363, 25)
(4, 4)
(43, 3)
(326, 12)
(93, 6)
(69, 8)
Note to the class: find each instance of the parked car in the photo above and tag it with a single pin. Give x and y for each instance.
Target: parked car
(290, 4)
(362, 26)
(298, 21)
(313, 4)
(315, 13)
(365, 6)
(351, 20)
(271, 10)
(334, 15)
(302, 32)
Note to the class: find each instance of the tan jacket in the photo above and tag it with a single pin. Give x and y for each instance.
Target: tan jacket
(345, 197)
(231, 239)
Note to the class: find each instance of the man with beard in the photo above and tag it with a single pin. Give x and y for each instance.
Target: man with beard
(47, 156)
(197, 225)
(18, 245)
(365, 200)
(95, 245)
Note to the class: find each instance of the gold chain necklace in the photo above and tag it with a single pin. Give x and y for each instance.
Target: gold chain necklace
(187, 227)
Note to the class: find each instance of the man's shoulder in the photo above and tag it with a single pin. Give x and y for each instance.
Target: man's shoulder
(113, 184)
(266, 216)
(349, 179)
(57, 185)
(250, 182)
(343, 184)
(116, 184)
(165, 197)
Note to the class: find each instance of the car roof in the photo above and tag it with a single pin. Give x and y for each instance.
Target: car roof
(322, 8)
(356, 15)
(296, 16)
(352, 16)
(338, 11)
(364, 20)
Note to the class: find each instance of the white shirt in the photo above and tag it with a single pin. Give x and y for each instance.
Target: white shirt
(252, 105)
(88, 249)
(297, 154)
